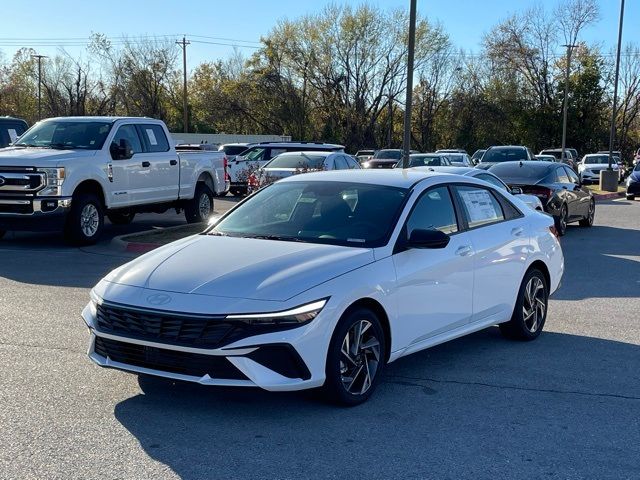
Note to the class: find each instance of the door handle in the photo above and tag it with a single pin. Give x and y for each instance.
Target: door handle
(517, 232)
(146, 164)
(173, 162)
(463, 251)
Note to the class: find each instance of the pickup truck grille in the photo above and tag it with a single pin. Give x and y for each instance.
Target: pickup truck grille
(20, 180)
(9, 205)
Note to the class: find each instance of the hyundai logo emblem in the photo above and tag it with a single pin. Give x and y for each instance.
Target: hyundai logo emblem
(159, 299)
(2, 180)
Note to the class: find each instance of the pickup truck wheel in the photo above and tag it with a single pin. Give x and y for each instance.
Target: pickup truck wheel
(85, 220)
(200, 207)
(118, 218)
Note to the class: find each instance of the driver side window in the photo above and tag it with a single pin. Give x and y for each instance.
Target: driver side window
(433, 211)
(129, 133)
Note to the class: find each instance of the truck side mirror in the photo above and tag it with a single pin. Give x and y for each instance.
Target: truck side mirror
(122, 151)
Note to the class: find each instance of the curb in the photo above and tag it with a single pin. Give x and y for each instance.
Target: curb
(608, 196)
(121, 243)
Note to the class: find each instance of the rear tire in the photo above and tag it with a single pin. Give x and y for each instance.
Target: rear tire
(118, 218)
(85, 221)
(561, 221)
(200, 207)
(588, 220)
(355, 359)
(530, 312)
(631, 197)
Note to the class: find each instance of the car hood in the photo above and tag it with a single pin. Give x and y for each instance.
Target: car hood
(29, 157)
(240, 267)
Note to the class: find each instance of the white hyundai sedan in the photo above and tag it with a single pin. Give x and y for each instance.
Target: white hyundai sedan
(320, 280)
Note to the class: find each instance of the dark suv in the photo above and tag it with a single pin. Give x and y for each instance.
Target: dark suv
(10, 129)
(505, 153)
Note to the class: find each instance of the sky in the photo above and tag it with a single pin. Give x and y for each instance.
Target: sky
(224, 23)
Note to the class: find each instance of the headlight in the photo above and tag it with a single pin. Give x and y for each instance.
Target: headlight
(54, 180)
(95, 301)
(295, 316)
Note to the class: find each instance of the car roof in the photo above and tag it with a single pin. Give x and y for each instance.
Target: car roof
(506, 146)
(100, 119)
(450, 170)
(296, 144)
(392, 177)
(322, 153)
(237, 144)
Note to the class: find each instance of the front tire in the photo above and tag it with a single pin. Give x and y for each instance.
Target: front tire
(355, 359)
(85, 221)
(631, 197)
(530, 312)
(588, 220)
(200, 207)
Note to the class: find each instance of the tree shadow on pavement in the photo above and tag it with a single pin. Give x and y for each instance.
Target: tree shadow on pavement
(477, 407)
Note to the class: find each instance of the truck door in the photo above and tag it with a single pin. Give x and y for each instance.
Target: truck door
(125, 174)
(161, 166)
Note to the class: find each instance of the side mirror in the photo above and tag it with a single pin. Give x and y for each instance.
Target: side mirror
(516, 191)
(427, 239)
(123, 151)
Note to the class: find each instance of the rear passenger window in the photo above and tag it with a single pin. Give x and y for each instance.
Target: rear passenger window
(561, 176)
(433, 211)
(340, 162)
(480, 206)
(155, 138)
(352, 163)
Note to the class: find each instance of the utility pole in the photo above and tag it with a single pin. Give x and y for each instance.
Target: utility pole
(406, 144)
(566, 99)
(39, 57)
(185, 112)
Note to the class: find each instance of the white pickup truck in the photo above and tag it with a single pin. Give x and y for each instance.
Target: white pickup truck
(68, 173)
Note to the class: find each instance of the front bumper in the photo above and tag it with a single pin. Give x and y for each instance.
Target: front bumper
(278, 361)
(633, 188)
(589, 176)
(33, 214)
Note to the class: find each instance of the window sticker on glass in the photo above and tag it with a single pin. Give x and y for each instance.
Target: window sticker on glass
(13, 135)
(479, 206)
(151, 136)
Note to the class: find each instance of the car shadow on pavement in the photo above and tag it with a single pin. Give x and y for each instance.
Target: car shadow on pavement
(600, 262)
(477, 407)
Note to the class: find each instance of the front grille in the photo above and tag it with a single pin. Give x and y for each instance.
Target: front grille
(13, 206)
(184, 363)
(167, 327)
(20, 180)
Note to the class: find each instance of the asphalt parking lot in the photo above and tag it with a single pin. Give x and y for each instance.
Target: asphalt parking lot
(565, 406)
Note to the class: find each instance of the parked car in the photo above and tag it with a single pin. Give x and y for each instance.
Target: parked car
(505, 153)
(68, 173)
(636, 159)
(546, 158)
(10, 129)
(477, 155)
(531, 201)
(232, 150)
(452, 150)
(427, 160)
(556, 185)
(257, 156)
(592, 164)
(633, 183)
(320, 280)
(364, 155)
(294, 163)
(617, 159)
(385, 158)
(568, 158)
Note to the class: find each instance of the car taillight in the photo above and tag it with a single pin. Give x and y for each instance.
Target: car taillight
(542, 193)
(252, 181)
(226, 173)
(553, 230)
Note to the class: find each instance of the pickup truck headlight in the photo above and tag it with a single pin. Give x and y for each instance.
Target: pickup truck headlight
(54, 180)
(295, 316)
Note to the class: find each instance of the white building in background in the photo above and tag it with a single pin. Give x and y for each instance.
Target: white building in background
(220, 138)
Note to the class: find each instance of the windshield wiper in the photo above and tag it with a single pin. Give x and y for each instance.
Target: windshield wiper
(61, 146)
(28, 145)
(218, 234)
(275, 237)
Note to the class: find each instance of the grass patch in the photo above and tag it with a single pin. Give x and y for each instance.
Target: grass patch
(596, 189)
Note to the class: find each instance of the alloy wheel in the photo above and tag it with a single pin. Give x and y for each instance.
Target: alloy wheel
(204, 206)
(592, 212)
(360, 357)
(563, 219)
(89, 220)
(534, 305)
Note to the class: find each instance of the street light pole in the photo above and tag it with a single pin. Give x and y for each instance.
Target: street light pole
(566, 98)
(406, 144)
(612, 134)
(185, 111)
(39, 58)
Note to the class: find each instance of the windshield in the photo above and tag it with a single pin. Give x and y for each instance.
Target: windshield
(504, 154)
(67, 135)
(388, 154)
(233, 149)
(336, 213)
(597, 159)
(302, 161)
(424, 161)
